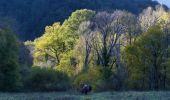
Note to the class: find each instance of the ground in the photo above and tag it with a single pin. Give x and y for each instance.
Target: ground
(92, 96)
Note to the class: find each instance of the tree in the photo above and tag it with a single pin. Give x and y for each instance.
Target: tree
(9, 69)
(108, 29)
(144, 58)
(133, 28)
(71, 25)
(159, 16)
(50, 46)
(57, 44)
(165, 24)
(150, 17)
(85, 43)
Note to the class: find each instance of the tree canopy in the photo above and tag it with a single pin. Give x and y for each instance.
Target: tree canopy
(9, 67)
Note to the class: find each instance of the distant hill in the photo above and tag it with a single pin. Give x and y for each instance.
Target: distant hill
(29, 17)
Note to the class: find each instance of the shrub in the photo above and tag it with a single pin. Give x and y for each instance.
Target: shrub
(47, 79)
(92, 77)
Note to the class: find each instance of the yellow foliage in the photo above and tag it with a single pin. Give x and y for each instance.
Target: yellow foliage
(165, 18)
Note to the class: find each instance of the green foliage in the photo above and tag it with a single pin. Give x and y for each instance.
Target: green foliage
(58, 42)
(68, 64)
(92, 77)
(72, 24)
(71, 50)
(47, 79)
(9, 69)
(51, 45)
(144, 59)
(77, 18)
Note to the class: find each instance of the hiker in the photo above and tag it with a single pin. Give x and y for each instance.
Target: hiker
(86, 89)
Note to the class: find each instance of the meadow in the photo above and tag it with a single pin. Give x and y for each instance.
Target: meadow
(93, 96)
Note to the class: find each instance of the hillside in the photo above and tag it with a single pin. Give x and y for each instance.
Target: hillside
(29, 17)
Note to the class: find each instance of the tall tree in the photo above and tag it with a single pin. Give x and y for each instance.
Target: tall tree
(57, 45)
(86, 37)
(50, 46)
(108, 31)
(9, 69)
(144, 58)
(150, 17)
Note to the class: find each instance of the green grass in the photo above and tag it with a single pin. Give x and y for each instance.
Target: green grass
(92, 96)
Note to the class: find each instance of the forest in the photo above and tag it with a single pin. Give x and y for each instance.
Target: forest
(108, 50)
(29, 17)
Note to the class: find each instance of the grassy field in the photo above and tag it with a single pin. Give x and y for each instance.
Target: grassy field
(93, 96)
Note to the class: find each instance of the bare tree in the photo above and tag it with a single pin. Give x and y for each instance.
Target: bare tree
(86, 36)
(109, 29)
(133, 28)
(150, 17)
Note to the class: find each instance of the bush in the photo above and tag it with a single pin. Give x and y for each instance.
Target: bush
(47, 79)
(92, 77)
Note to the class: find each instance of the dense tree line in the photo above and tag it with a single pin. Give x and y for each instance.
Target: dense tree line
(114, 50)
(29, 17)
(121, 50)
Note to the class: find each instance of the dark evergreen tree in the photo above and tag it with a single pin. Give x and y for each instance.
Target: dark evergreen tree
(9, 69)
